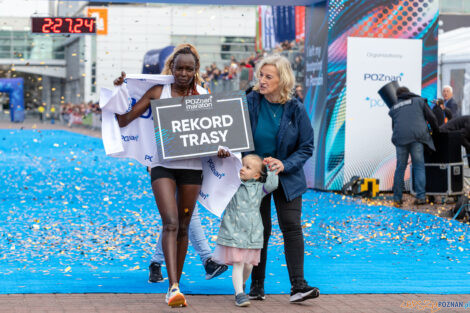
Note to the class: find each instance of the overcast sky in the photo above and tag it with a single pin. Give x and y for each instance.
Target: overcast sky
(23, 8)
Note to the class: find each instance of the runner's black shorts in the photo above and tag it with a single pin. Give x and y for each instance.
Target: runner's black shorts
(180, 176)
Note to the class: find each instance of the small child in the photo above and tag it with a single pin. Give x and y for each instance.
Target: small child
(240, 238)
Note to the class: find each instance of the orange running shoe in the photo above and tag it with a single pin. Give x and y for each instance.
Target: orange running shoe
(175, 297)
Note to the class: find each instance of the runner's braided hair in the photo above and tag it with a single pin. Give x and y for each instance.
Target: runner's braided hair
(185, 48)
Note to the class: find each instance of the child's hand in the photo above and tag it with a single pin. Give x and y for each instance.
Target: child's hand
(223, 153)
(273, 164)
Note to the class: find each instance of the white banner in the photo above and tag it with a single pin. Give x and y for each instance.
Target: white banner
(371, 63)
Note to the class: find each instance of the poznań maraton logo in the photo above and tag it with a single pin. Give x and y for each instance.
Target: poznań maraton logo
(434, 306)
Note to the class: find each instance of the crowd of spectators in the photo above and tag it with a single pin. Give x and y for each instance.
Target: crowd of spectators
(87, 114)
(235, 75)
(239, 74)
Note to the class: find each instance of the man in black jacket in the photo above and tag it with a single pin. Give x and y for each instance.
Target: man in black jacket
(410, 134)
(443, 114)
(462, 124)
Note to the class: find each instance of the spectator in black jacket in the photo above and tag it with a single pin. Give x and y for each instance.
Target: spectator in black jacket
(462, 124)
(441, 112)
(449, 101)
(410, 134)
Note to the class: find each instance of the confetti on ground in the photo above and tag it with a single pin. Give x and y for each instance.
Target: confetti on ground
(93, 228)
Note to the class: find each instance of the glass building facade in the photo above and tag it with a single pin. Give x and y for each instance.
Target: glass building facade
(16, 44)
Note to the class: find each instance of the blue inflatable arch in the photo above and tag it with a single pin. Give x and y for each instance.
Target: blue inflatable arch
(14, 88)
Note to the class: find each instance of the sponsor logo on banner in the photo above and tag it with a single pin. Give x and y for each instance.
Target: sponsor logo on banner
(129, 138)
(384, 55)
(381, 77)
(146, 114)
(214, 170)
(198, 104)
(375, 102)
(130, 103)
(203, 195)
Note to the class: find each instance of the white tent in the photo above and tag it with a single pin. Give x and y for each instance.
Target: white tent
(454, 65)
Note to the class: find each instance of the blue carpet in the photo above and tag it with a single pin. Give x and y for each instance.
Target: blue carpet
(73, 220)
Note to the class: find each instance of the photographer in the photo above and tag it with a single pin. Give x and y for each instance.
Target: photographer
(410, 134)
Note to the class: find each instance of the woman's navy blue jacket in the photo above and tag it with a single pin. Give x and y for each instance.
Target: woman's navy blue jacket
(294, 142)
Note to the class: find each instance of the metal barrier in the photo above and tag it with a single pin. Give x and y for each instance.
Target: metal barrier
(222, 85)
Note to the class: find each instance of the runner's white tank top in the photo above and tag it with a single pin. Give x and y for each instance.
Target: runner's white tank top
(189, 164)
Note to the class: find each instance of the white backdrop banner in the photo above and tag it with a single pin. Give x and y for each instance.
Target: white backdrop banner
(371, 63)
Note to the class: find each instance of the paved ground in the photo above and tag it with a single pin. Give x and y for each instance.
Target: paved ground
(117, 303)
(84, 303)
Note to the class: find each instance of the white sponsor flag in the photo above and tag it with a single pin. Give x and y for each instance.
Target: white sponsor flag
(221, 181)
(136, 140)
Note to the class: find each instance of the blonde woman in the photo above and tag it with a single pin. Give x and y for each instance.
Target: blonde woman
(283, 137)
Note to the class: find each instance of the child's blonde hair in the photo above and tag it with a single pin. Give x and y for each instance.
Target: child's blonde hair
(263, 170)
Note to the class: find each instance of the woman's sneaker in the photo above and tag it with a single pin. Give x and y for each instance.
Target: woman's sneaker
(241, 300)
(174, 297)
(185, 304)
(257, 290)
(301, 291)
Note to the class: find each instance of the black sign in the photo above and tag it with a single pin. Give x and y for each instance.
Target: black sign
(63, 25)
(196, 126)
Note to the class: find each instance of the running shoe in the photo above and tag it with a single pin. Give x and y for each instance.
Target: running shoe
(174, 297)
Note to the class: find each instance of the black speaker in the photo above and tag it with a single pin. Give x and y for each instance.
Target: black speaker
(388, 93)
(448, 148)
(444, 179)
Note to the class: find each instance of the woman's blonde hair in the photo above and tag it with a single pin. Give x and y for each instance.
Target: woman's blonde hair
(284, 70)
(184, 48)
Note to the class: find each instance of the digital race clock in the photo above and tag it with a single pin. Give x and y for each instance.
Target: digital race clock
(63, 25)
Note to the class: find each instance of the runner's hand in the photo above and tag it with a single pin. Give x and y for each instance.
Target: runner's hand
(223, 153)
(118, 81)
(122, 120)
